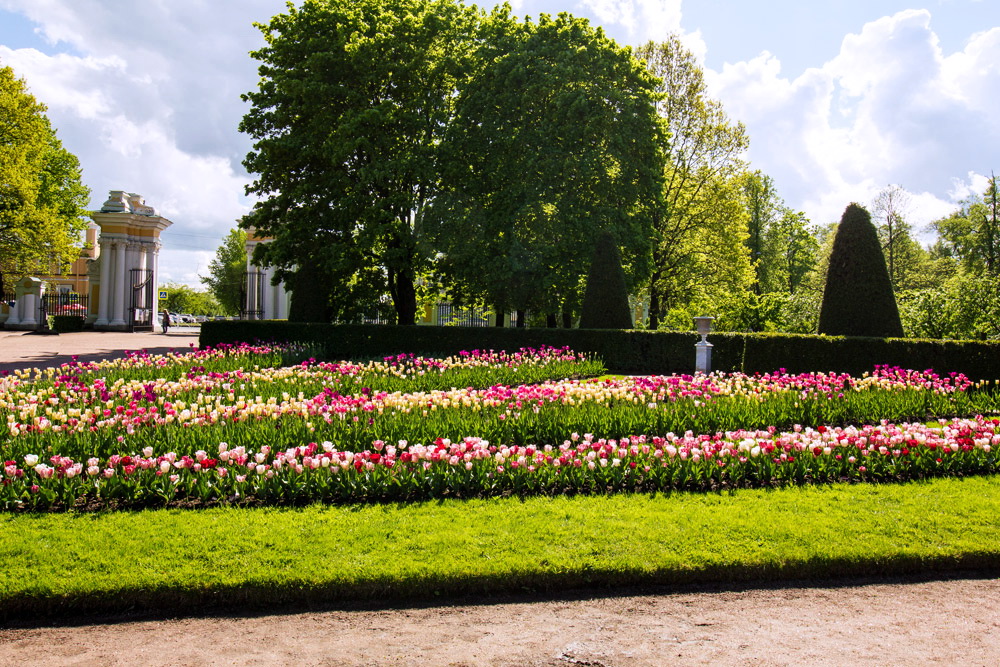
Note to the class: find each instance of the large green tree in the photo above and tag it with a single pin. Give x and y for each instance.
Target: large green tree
(225, 272)
(353, 98)
(42, 199)
(700, 225)
(186, 299)
(972, 233)
(555, 140)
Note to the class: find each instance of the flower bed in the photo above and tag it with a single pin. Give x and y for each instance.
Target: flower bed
(473, 467)
(138, 431)
(286, 407)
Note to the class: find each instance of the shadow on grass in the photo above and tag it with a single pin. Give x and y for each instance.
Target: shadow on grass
(379, 594)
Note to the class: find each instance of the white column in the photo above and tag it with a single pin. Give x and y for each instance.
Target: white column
(104, 304)
(271, 311)
(120, 280)
(151, 266)
(29, 310)
(282, 302)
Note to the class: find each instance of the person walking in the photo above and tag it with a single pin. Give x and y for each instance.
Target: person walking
(165, 321)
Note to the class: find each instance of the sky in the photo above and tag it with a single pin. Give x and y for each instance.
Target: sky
(841, 98)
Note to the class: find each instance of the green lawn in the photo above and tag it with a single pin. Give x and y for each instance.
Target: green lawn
(176, 560)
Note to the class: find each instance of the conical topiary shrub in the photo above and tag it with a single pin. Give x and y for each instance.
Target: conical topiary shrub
(858, 299)
(605, 302)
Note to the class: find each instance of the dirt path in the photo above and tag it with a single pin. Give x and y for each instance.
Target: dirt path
(920, 623)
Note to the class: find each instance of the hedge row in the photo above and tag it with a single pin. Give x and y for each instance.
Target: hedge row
(66, 323)
(632, 351)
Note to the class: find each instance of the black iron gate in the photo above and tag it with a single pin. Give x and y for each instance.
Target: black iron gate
(141, 315)
(252, 296)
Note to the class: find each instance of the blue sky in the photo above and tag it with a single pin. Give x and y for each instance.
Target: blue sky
(840, 97)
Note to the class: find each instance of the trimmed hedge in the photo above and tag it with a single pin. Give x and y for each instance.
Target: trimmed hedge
(65, 323)
(631, 351)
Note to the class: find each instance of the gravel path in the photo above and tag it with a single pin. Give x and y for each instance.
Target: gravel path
(950, 622)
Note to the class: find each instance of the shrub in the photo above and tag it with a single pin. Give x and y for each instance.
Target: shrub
(858, 299)
(605, 302)
(66, 323)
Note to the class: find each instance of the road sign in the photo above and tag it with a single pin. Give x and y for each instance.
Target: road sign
(163, 294)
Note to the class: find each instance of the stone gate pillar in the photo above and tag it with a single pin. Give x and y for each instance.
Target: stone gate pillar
(130, 239)
(26, 313)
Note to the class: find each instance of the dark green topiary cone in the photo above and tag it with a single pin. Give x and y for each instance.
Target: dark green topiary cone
(605, 303)
(858, 299)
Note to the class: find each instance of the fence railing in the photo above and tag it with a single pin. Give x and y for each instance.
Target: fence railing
(454, 316)
(65, 304)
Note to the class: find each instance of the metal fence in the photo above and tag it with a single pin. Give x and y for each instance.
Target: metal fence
(252, 296)
(66, 303)
(454, 316)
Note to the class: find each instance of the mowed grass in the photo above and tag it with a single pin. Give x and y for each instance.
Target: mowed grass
(182, 561)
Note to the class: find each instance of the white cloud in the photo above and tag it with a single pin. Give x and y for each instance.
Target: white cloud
(148, 98)
(645, 20)
(890, 107)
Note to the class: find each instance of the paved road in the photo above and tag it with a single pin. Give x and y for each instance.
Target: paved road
(19, 349)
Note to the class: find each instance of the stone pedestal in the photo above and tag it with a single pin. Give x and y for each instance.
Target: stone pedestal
(703, 349)
(703, 357)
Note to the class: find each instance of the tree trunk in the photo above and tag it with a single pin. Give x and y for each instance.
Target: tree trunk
(404, 298)
(567, 319)
(654, 300)
(550, 321)
(654, 308)
(498, 322)
(520, 319)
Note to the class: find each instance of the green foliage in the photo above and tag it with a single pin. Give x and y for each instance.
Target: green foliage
(66, 323)
(784, 251)
(605, 302)
(42, 198)
(965, 306)
(142, 561)
(554, 140)
(700, 225)
(972, 233)
(225, 278)
(347, 121)
(185, 299)
(311, 293)
(858, 299)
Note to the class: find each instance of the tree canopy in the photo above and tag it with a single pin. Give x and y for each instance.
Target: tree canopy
(225, 272)
(554, 141)
(700, 223)
(42, 198)
(352, 101)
